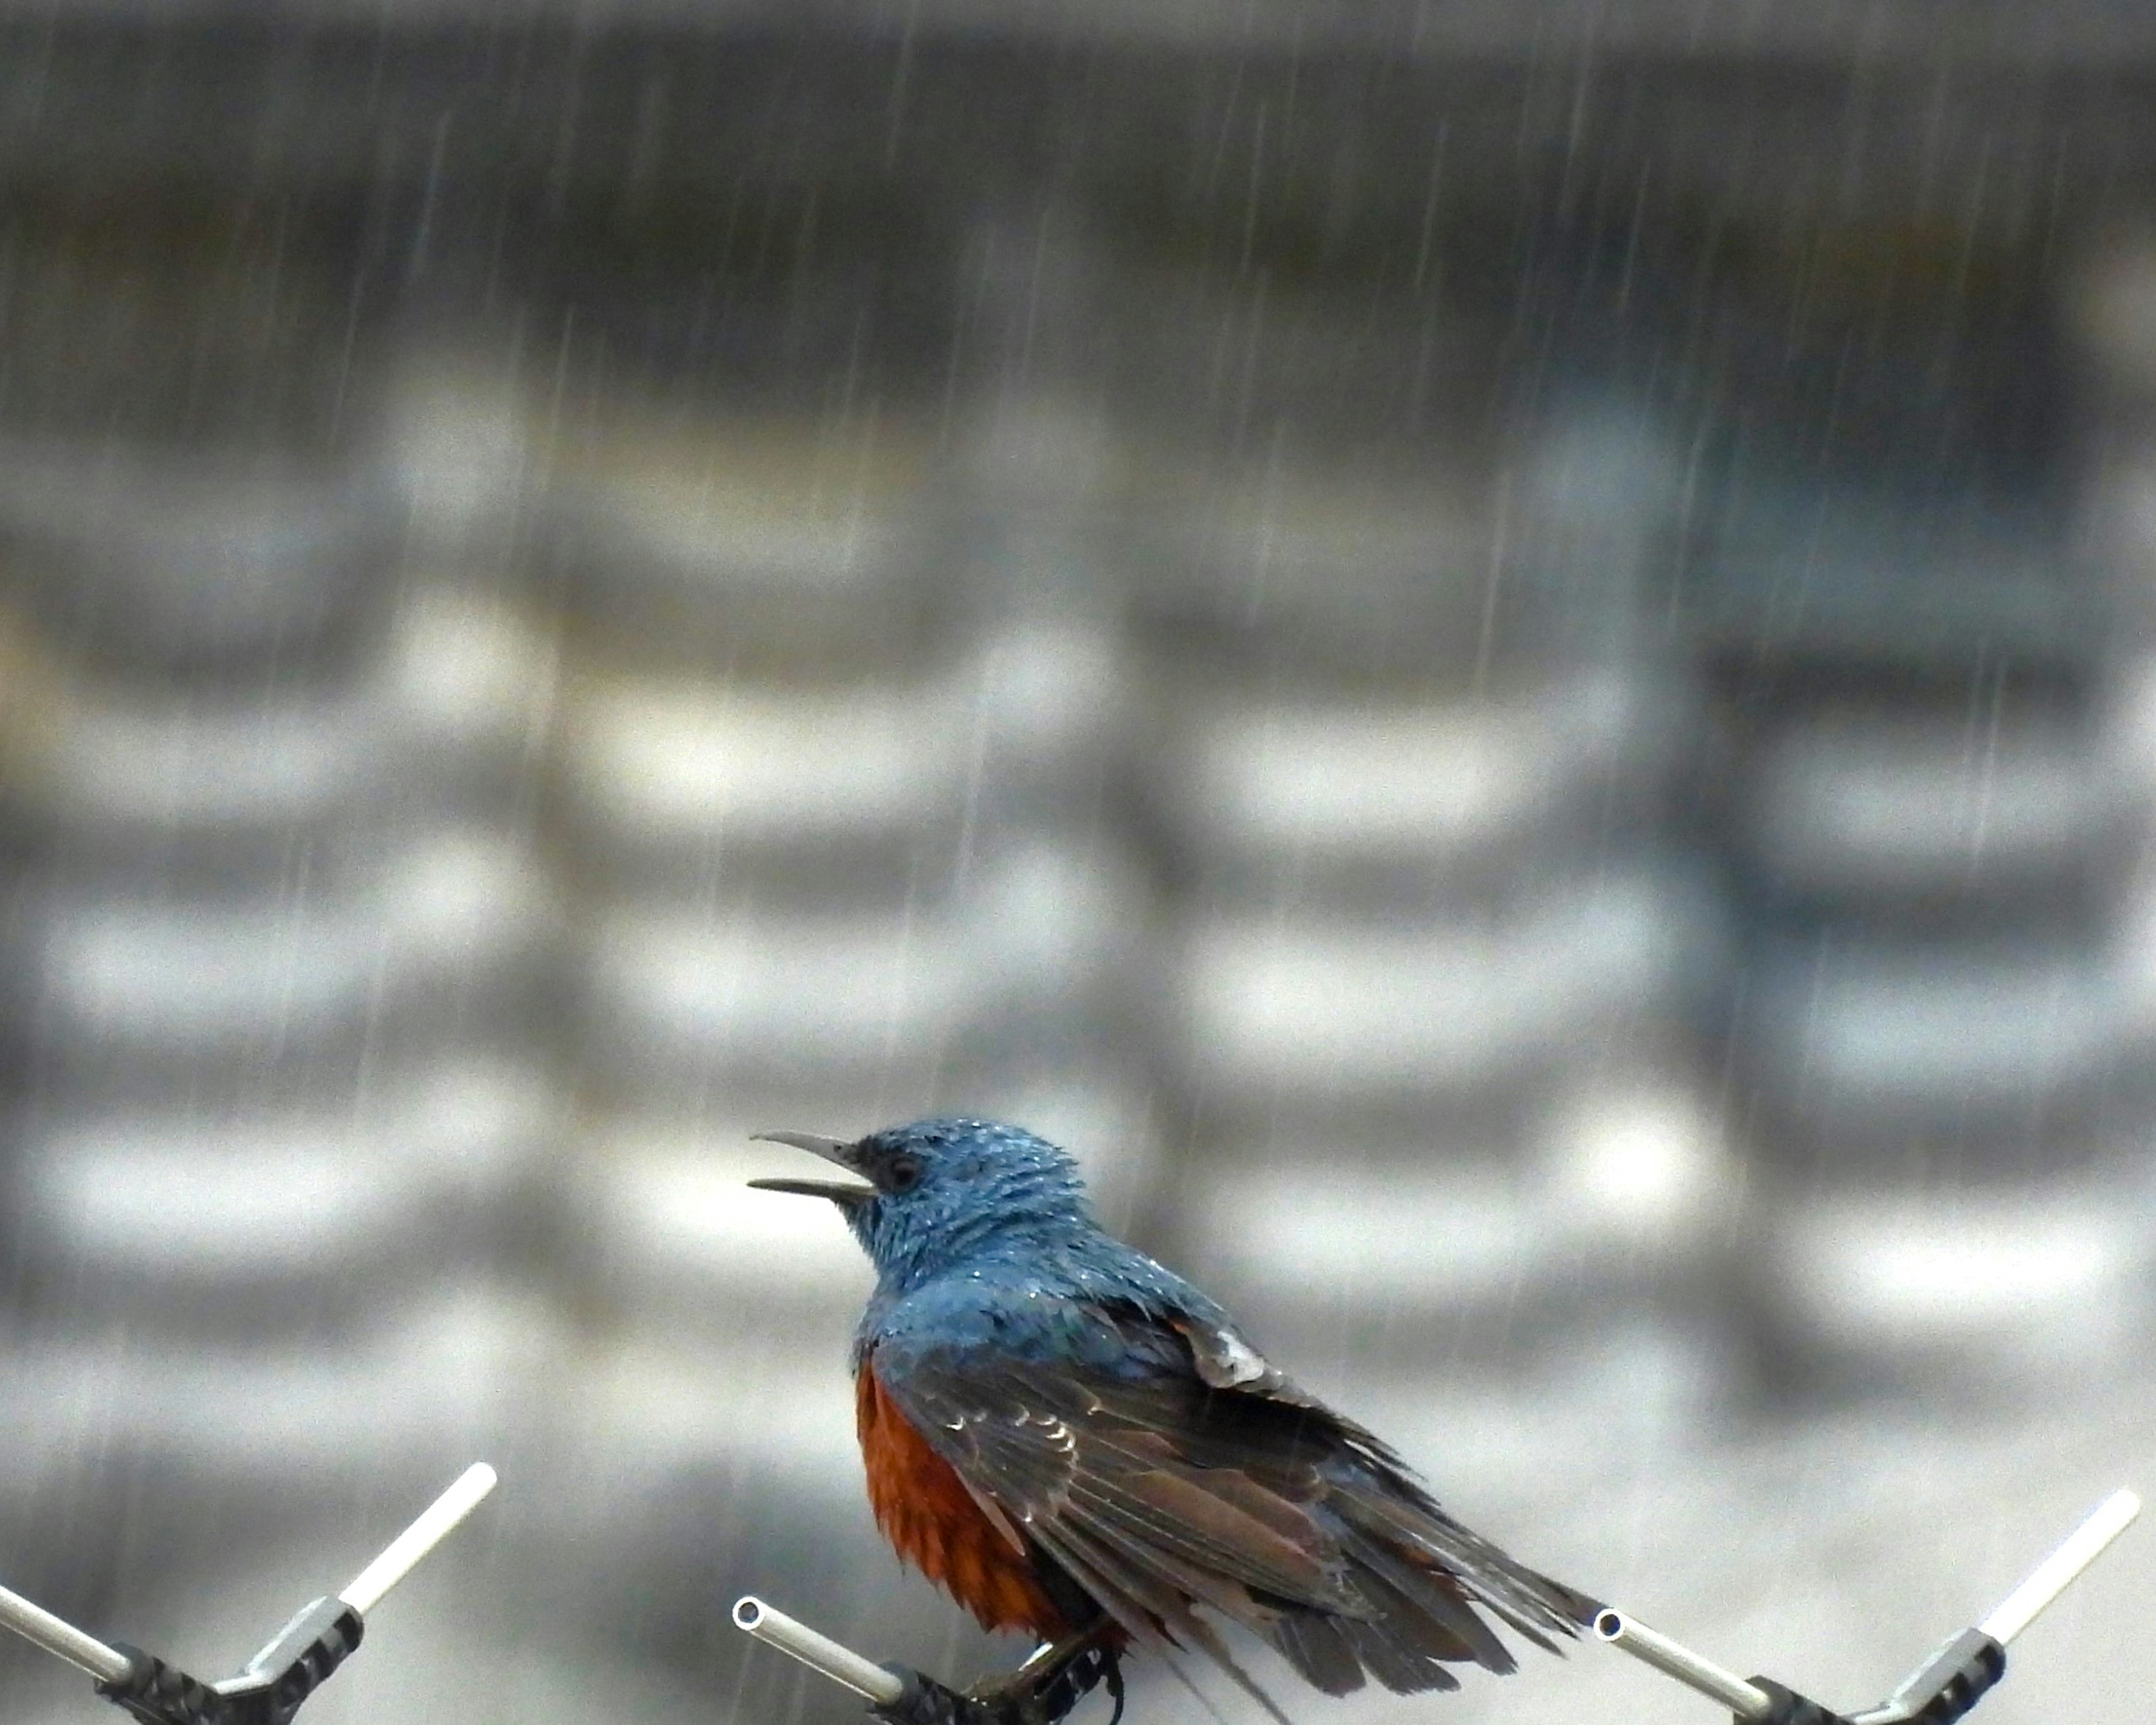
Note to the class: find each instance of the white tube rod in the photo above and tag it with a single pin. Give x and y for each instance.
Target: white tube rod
(819, 1652)
(61, 1639)
(435, 1523)
(1628, 1634)
(2050, 1578)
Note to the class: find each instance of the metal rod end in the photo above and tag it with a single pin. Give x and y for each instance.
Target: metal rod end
(818, 1651)
(1651, 1647)
(2050, 1578)
(435, 1523)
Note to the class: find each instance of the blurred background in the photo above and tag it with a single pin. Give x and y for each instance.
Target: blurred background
(1502, 658)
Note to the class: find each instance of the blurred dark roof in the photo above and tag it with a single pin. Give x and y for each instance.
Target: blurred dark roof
(1828, 112)
(2015, 31)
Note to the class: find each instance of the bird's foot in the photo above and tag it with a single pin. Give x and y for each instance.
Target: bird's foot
(1048, 1687)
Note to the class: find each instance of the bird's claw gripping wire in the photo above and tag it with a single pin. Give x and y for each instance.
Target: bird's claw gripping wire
(1047, 1700)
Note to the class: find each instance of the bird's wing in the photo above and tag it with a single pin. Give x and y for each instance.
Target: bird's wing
(1159, 1492)
(1085, 1468)
(1055, 1446)
(1390, 1493)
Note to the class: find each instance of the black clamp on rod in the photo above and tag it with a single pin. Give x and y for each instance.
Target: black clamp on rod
(299, 1659)
(1938, 1693)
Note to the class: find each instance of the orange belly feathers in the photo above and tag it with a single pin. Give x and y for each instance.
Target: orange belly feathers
(934, 1524)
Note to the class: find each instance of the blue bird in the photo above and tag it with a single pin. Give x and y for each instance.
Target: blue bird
(1074, 1441)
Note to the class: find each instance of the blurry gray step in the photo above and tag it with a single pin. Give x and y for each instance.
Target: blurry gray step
(1804, 568)
(134, 772)
(1056, 928)
(1431, 791)
(1933, 809)
(681, 773)
(460, 445)
(441, 937)
(1031, 957)
(1229, 352)
(1867, 1036)
(2110, 308)
(2038, 1287)
(137, 309)
(472, 673)
(1050, 691)
(1627, 1198)
(787, 537)
(2118, 524)
(1274, 1008)
(280, 1218)
(1391, 567)
(1457, 551)
(193, 560)
(447, 1374)
(199, 784)
(2126, 712)
(675, 998)
(1030, 961)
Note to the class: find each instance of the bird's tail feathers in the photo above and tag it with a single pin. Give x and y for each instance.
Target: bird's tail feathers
(1424, 1581)
(1155, 1612)
(1530, 1602)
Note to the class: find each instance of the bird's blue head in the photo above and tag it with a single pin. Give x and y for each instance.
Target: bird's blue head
(934, 1195)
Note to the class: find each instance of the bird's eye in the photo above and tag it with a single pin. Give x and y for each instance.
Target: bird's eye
(903, 1174)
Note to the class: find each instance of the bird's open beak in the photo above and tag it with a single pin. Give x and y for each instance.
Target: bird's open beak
(846, 1194)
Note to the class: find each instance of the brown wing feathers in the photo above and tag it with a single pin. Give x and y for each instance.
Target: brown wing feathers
(1157, 1496)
